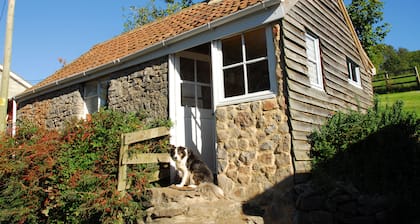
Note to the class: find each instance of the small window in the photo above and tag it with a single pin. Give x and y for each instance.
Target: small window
(353, 73)
(245, 64)
(314, 61)
(95, 96)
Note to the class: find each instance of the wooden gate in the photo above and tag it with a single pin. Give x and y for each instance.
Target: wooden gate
(132, 158)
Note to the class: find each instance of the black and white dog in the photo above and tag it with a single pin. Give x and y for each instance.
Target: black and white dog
(193, 171)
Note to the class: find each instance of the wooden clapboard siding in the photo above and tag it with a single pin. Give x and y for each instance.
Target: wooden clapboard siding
(310, 107)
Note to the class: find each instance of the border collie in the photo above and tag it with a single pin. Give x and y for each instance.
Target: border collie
(193, 171)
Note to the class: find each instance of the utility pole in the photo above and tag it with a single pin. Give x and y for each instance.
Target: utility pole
(6, 66)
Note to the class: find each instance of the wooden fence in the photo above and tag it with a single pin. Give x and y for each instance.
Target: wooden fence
(405, 80)
(130, 158)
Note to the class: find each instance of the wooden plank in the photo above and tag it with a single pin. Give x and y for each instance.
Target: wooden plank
(303, 126)
(138, 136)
(300, 135)
(302, 155)
(122, 168)
(144, 158)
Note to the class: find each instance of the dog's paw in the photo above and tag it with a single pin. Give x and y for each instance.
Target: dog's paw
(179, 185)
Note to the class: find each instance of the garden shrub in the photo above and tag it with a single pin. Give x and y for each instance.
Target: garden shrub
(71, 176)
(377, 151)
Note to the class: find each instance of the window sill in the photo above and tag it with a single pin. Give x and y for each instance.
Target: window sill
(246, 99)
(355, 84)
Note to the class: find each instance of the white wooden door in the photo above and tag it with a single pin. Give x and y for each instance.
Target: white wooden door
(195, 122)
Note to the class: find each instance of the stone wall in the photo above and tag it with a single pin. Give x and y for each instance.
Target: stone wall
(143, 88)
(52, 111)
(139, 88)
(253, 147)
(254, 142)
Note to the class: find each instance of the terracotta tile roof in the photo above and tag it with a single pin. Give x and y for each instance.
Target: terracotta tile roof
(148, 35)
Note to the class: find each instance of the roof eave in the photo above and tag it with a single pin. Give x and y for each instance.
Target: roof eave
(76, 78)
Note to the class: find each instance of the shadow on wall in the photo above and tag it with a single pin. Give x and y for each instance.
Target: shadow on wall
(374, 181)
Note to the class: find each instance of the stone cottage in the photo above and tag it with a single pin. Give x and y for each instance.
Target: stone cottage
(244, 82)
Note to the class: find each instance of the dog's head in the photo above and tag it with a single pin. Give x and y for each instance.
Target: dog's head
(178, 153)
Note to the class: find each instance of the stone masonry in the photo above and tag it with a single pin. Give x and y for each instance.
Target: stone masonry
(140, 88)
(143, 88)
(52, 111)
(253, 147)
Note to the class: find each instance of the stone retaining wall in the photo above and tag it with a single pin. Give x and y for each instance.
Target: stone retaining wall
(342, 204)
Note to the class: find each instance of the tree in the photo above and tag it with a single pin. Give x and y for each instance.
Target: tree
(367, 17)
(139, 16)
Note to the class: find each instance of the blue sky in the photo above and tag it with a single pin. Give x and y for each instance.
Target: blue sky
(47, 30)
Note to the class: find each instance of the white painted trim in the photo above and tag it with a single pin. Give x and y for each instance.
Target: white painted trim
(218, 83)
(317, 61)
(172, 97)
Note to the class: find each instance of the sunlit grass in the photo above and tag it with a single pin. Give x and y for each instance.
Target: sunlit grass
(411, 100)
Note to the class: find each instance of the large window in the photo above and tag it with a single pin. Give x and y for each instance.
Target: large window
(353, 73)
(246, 64)
(95, 95)
(314, 61)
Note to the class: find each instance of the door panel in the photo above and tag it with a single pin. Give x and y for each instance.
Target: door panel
(194, 114)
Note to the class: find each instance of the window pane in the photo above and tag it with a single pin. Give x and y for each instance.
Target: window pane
(232, 50)
(258, 77)
(354, 74)
(187, 95)
(312, 72)
(91, 89)
(103, 93)
(234, 81)
(203, 72)
(310, 49)
(91, 104)
(187, 69)
(204, 97)
(255, 44)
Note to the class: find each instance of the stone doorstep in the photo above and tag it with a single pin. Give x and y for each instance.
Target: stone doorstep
(171, 205)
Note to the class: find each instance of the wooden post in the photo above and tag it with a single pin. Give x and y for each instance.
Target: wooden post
(417, 75)
(4, 90)
(122, 167)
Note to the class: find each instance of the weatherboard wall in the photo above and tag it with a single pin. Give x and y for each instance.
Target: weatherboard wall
(309, 107)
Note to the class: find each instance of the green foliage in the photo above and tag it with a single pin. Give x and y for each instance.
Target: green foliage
(393, 61)
(139, 16)
(71, 177)
(367, 17)
(378, 151)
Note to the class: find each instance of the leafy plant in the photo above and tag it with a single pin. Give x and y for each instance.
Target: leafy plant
(377, 151)
(71, 176)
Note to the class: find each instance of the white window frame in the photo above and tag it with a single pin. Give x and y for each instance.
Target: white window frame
(101, 102)
(353, 67)
(218, 78)
(310, 39)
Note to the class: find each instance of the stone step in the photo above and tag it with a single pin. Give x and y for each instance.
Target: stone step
(169, 205)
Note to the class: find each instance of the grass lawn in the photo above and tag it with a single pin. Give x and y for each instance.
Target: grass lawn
(411, 100)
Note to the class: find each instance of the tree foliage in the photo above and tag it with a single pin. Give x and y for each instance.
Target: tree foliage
(151, 11)
(387, 59)
(367, 17)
